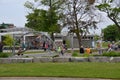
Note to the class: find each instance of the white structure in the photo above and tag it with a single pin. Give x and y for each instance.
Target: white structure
(14, 31)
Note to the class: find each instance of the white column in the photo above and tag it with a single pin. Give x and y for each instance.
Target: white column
(0, 38)
(71, 36)
(24, 40)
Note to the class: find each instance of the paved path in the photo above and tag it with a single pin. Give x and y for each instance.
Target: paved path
(44, 54)
(47, 78)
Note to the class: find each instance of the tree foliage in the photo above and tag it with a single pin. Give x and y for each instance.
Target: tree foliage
(112, 8)
(96, 37)
(8, 40)
(41, 19)
(111, 33)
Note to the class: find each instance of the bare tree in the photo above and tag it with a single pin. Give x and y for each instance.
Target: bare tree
(79, 17)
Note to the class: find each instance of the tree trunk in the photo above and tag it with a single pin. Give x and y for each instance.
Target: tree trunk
(79, 40)
(77, 31)
(115, 21)
(52, 36)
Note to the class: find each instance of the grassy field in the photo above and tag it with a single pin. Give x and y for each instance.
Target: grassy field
(82, 70)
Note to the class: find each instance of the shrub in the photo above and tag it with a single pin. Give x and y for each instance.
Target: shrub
(86, 55)
(4, 55)
(111, 54)
(75, 54)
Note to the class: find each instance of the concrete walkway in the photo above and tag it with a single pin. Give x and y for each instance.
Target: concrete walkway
(47, 78)
(44, 54)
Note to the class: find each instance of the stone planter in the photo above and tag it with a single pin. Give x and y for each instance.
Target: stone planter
(78, 59)
(43, 59)
(60, 59)
(98, 59)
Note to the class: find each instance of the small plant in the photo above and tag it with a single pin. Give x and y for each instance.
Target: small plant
(111, 54)
(75, 54)
(86, 55)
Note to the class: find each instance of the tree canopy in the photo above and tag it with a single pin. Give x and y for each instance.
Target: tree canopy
(111, 33)
(8, 40)
(41, 19)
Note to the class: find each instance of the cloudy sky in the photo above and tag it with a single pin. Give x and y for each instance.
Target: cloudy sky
(13, 11)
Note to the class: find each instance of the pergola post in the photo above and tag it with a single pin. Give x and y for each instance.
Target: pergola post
(13, 50)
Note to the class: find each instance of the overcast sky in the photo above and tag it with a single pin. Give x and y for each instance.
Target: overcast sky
(13, 11)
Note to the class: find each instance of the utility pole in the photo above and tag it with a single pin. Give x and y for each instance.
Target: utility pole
(101, 37)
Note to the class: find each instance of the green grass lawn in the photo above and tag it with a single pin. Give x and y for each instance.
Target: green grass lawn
(82, 70)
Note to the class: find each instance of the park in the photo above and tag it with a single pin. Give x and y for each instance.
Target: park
(61, 43)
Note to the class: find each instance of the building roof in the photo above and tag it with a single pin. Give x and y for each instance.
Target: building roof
(16, 29)
(5, 26)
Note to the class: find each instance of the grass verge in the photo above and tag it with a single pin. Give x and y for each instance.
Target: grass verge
(82, 70)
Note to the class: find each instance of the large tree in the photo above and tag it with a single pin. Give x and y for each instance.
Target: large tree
(54, 7)
(79, 17)
(111, 33)
(112, 9)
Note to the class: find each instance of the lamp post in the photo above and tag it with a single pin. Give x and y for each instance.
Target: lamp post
(71, 41)
(101, 40)
(101, 37)
(0, 38)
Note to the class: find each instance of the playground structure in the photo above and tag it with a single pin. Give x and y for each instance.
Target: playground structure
(32, 40)
(37, 40)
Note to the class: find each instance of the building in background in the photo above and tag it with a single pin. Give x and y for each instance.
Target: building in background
(6, 26)
(87, 41)
(10, 29)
